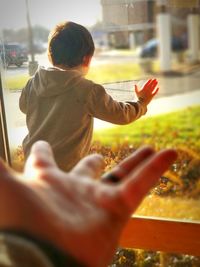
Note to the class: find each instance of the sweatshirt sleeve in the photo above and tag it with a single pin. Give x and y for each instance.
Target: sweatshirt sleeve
(23, 100)
(104, 107)
(33, 252)
(11, 246)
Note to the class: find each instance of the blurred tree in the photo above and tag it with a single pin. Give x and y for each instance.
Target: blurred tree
(40, 34)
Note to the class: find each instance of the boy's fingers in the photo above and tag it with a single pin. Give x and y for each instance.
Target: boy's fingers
(153, 84)
(150, 86)
(155, 91)
(41, 156)
(91, 166)
(148, 82)
(136, 88)
(128, 165)
(141, 180)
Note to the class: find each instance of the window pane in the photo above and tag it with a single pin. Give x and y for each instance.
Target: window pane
(161, 40)
(135, 41)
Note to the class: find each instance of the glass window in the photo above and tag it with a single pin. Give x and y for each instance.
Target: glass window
(135, 41)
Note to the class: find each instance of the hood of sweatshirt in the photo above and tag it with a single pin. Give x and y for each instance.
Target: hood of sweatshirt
(49, 82)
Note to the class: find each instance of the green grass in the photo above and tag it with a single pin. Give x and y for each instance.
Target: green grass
(178, 195)
(103, 73)
(100, 74)
(171, 129)
(114, 72)
(16, 82)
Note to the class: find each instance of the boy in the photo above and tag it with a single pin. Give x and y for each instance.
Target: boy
(60, 103)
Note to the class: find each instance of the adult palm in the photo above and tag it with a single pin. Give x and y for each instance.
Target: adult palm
(79, 214)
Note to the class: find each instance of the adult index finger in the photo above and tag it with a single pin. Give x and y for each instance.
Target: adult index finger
(128, 164)
(142, 179)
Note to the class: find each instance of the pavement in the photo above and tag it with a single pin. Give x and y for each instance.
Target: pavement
(162, 105)
(178, 89)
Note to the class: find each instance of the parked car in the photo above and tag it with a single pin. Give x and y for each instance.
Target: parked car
(150, 48)
(13, 54)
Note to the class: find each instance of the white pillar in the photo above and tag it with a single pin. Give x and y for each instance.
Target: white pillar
(193, 37)
(132, 44)
(164, 39)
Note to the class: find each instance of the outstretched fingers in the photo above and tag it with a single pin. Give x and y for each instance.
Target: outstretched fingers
(40, 158)
(128, 164)
(136, 89)
(110, 196)
(148, 83)
(151, 86)
(91, 167)
(142, 179)
(155, 91)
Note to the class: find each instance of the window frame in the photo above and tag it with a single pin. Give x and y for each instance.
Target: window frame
(4, 142)
(152, 233)
(162, 234)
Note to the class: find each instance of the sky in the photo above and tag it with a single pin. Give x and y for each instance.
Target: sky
(48, 12)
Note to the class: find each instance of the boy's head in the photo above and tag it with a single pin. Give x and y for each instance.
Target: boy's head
(69, 44)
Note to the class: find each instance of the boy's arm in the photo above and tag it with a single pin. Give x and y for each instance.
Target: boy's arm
(104, 107)
(23, 97)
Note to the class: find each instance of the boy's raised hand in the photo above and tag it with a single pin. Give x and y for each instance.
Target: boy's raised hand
(148, 91)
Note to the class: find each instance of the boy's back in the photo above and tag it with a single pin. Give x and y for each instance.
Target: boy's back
(60, 103)
(54, 103)
(60, 106)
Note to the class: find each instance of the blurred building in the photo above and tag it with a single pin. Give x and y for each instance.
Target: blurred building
(130, 23)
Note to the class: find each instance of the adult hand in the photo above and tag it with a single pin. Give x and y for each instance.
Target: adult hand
(75, 212)
(148, 91)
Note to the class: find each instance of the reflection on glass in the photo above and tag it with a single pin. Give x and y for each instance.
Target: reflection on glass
(135, 41)
(161, 41)
(14, 74)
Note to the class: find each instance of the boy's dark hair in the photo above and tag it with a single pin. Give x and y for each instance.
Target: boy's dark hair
(69, 43)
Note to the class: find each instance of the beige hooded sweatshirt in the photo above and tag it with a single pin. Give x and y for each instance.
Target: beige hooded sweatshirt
(60, 106)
